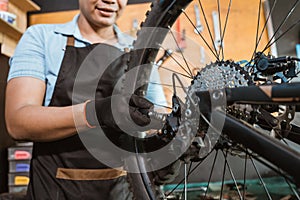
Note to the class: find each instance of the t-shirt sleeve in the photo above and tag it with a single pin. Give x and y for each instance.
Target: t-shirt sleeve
(155, 92)
(29, 59)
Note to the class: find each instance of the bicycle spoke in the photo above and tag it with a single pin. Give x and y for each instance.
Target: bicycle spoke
(166, 85)
(281, 24)
(224, 30)
(211, 173)
(180, 182)
(257, 28)
(177, 62)
(257, 41)
(267, 164)
(220, 27)
(280, 136)
(224, 172)
(290, 28)
(182, 87)
(208, 28)
(175, 72)
(277, 132)
(260, 178)
(187, 65)
(294, 136)
(204, 40)
(292, 189)
(168, 107)
(233, 177)
(184, 191)
(186, 175)
(245, 172)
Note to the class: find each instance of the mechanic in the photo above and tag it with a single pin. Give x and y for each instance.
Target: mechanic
(43, 106)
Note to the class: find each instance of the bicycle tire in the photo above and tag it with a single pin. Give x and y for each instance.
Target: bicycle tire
(163, 14)
(141, 185)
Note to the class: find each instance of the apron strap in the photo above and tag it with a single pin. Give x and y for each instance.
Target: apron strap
(89, 174)
(70, 41)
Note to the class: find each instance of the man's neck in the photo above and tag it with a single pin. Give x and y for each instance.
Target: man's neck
(96, 34)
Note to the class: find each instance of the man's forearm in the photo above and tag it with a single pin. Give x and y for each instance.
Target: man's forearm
(39, 123)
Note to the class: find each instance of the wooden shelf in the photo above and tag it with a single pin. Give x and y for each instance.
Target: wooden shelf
(25, 5)
(11, 34)
(10, 30)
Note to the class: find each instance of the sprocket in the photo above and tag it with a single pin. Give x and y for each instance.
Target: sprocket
(217, 76)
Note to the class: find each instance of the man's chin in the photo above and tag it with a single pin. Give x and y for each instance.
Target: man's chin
(105, 23)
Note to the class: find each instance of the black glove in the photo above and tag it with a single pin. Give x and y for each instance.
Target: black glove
(119, 111)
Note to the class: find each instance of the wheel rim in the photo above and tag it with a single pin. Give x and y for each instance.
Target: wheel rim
(148, 55)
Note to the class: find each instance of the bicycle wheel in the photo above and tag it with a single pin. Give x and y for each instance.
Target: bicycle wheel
(152, 48)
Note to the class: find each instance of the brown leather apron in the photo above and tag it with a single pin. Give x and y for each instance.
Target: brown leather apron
(65, 169)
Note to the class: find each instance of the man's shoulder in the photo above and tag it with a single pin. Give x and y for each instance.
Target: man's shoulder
(42, 35)
(41, 31)
(45, 28)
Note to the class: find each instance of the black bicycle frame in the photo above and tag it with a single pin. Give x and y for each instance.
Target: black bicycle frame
(286, 93)
(267, 147)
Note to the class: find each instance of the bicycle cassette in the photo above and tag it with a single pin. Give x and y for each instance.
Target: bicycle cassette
(220, 75)
(217, 76)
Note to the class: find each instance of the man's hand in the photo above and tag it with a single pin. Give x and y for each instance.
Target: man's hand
(119, 111)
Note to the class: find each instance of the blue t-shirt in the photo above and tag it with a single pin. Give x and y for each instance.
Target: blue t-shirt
(41, 49)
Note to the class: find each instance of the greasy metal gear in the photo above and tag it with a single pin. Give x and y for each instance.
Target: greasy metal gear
(216, 76)
(220, 75)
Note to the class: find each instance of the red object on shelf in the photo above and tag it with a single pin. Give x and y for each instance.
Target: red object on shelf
(22, 155)
(3, 5)
(178, 30)
(180, 37)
